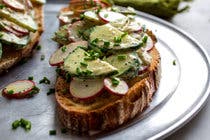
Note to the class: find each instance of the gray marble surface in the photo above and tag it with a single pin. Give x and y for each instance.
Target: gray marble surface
(196, 22)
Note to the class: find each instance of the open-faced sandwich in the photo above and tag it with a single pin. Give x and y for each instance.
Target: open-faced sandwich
(21, 25)
(108, 66)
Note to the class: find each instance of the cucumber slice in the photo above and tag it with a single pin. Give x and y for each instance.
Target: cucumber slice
(127, 64)
(11, 39)
(76, 65)
(92, 16)
(61, 36)
(1, 51)
(20, 19)
(109, 16)
(117, 39)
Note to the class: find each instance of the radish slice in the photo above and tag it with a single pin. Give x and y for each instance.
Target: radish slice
(20, 29)
(14, 4)
(109, 16)
(64, 16)
(149, 44)
(8, 29)
(29, 4)
(86, 89)
(143, 69)
(58, 56)
(15, 29)
(134, 26)
(73, 31)
(120, 89)
(18, 89)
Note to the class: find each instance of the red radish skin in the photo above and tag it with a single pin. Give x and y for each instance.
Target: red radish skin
(79, 87)
(29, 4)
(8, 29)
(57, 58)
(143, 69)
(20, 30)
(149, 44)
(121, 89)
(14, 4)
(19, 95)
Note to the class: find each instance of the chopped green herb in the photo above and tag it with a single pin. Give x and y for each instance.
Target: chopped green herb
(78, 71)
(2, 6)
(51, 91)
(98, 10)
(68, 77)
(121, 57)
(92, 55)
(174, 62)
(44, 80)
(64, 130)
(144, 39)
(115, 82)
(63, 49)
(82, 16)
(123, 35)
(25, 124)
(58, 71)
(83, 64)
(16, 124)
(106, 15)
(52, 132)
(1, 35)
(38, 47)
(107, 44)
(31, 78)
(42, 57)
(95, 40)
(10, 92)
(117, 39)
(35, 90)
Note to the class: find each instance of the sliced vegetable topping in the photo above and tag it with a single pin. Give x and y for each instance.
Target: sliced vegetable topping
(20, 89)
(110, 16)
(92, 16)
(58, 57)
(14, 4)
(116, 86)
(95, 67)
(117, 39)
(86, 89)
(21, 19)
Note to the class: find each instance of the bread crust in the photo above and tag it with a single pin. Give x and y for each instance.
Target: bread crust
(11, 57)
(112, 111)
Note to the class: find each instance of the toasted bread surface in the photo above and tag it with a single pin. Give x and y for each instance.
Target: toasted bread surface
(108, 111)
(11, 56)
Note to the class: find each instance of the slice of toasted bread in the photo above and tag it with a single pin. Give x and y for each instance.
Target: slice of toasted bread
(108, 111)
(10, 56)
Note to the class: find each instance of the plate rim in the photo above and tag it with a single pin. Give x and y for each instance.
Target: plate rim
(185, 118)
